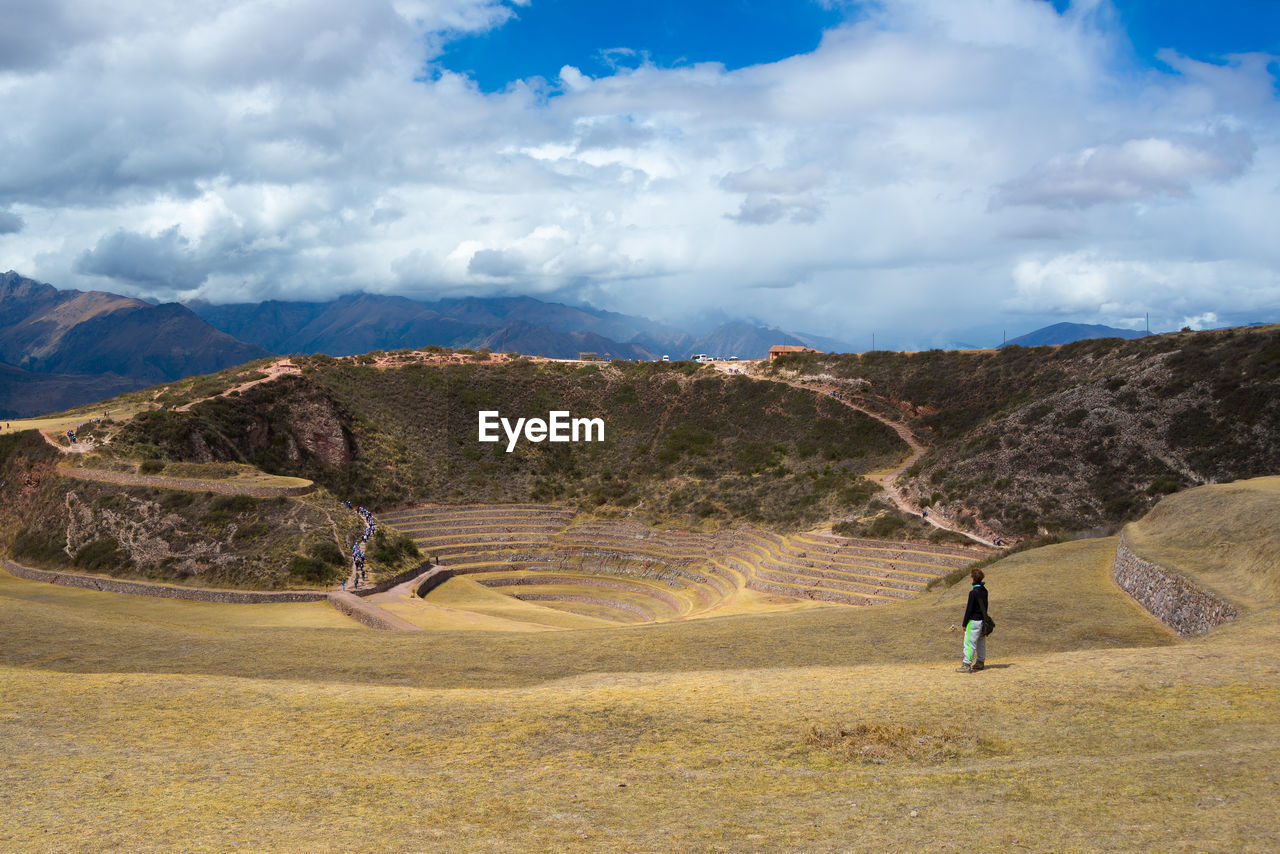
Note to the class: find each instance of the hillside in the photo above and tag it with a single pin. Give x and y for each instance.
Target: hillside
(1077, 437)
(682, 442)
(180, 536)
(1225, 537)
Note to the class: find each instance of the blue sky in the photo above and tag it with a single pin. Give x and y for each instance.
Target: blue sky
(934, 171)
(596, 37)
(1202, 29)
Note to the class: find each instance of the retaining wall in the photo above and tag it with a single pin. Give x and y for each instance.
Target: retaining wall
(164, 591)
(399, 578)
(1171, 598)
(368, 614)
(223, 487)
(431, 580)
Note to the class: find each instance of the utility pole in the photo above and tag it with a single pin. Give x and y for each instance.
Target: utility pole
(1148, 323)
(873, 342)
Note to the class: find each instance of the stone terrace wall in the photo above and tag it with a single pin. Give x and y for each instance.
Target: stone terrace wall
(399, 578)
(223, 487)
(1171, 598)
(369, 614)
(164, 591)
(431, 580)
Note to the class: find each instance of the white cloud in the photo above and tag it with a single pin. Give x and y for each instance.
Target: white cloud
(1090, 284)
(930, 164)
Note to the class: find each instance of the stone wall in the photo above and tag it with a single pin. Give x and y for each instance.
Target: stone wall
(432, 579)
(368, 614)
(164, 591)
(399, 578)
(223, 487)
(1171, 598)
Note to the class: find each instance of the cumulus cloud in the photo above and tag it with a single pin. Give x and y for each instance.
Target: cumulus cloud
(931, 163)
(1131, 170)
(1090, 284)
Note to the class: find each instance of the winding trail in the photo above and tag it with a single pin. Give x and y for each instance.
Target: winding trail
(273, 371)
(75, 447)
(887, 480)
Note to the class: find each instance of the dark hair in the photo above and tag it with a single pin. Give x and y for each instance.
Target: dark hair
(977, 574)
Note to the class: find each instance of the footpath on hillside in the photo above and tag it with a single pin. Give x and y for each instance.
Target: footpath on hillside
(887, 479)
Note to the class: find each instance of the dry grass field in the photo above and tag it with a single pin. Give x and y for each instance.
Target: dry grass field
(148, 725)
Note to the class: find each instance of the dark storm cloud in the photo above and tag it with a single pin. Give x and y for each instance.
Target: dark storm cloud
(33, 32)
(10, 222)
(164, 262)
(495, 263)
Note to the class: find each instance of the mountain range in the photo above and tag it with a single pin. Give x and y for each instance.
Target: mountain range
(63, 348)
(358, 323)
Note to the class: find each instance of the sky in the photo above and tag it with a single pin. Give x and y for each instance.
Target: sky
(933, 172)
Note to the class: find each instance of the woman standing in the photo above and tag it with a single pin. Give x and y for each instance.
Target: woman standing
(975, 613)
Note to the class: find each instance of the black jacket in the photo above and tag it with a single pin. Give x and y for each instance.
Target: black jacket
(976, 605)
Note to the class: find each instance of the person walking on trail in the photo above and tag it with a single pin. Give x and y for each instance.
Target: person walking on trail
(975, 626)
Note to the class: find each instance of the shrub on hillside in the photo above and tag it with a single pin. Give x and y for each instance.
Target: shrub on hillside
(43, 546)
(313, 570)
(390, 547)
(102, 555)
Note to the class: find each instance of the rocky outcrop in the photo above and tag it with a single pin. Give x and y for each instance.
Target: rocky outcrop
(1171, 598)
(318, 430)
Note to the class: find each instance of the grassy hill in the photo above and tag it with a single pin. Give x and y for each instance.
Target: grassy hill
(1223, 536)
(1076, 437)
(681, 442)
(146, 726)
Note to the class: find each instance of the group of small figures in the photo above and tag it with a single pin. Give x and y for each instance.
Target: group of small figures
(357, 548)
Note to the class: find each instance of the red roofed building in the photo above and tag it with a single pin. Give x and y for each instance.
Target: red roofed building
(782, 349)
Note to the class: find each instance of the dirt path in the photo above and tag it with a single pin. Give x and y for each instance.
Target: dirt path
(275, 370)
(888, 479)
(74, 448)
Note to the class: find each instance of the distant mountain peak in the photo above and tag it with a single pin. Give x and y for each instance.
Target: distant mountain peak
(72, 347)
(1068, 333)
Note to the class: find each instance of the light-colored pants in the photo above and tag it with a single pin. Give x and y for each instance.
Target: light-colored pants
(975, 642)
